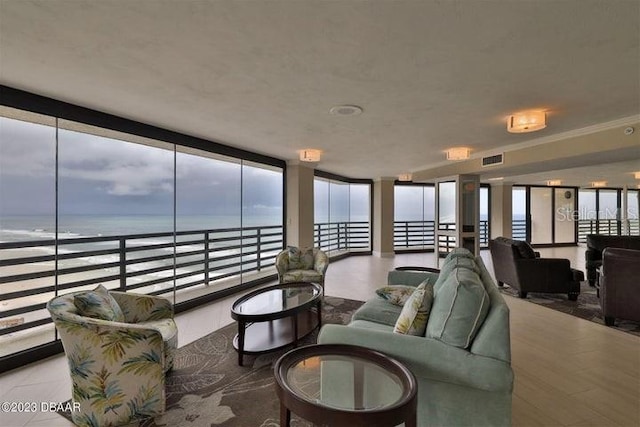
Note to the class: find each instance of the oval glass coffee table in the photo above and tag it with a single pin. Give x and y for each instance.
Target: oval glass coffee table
(276, 316)
(345, 385)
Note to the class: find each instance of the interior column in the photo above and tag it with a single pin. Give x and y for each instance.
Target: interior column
(300, 212)
(501, 209)
(383, 217)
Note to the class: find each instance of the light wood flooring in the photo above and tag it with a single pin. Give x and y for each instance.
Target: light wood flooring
(568, 371)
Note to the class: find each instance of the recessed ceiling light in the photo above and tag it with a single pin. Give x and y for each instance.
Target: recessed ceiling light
(346, 110)
(599, 184)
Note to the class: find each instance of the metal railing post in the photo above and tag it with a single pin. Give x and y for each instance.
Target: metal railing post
(258, 247)
(123, 264)
(206, 258)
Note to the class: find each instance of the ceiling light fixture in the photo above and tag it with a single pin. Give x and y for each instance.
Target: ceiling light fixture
(346, 110)
(498, 178)
(310, 155)
(405, 177)
(636, 175)
(554, 182)
(599, 184)
(458, 153)
(528, 121)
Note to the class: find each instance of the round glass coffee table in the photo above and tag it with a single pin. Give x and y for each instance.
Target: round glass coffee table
(276, 316)
(345, 385)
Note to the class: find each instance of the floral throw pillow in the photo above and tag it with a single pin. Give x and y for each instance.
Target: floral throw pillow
(300, 259)
(396, 294)
(99, 305)
(415, 312)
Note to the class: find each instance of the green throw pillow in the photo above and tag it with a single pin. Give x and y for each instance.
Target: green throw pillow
(460, 306)
(396, 294)
(415, 312)
(98, 304)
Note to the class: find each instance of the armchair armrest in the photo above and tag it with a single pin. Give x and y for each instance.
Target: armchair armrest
(320, 262)
(140, 308)
(550, 271)
(427, 358)
(282, 262)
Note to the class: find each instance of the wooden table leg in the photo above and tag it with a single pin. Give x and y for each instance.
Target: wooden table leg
(285, 416)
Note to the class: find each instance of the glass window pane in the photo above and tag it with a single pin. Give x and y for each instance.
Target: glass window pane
(607, 212)
(541, 215)
(118, 192)
(563, 215)
(262, 210)
(633, 200)
(27, 214)
(338, 215)
(359, 217)
(519, 213)
(587, 214)
(208, 223)
(321, 213)
(447, 205)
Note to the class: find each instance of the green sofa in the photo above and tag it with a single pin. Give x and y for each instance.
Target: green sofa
(457, 386)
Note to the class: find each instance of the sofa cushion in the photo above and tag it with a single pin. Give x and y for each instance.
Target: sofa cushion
(460, 306)
(379, 311)
(454, 263)
(396, 294)
(98, 304)
(415, 313)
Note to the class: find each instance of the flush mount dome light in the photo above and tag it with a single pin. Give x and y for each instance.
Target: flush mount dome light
(554, 182)
(528, 121)
(310, 155)
(458, 153)
(346, 110)
(405, 177)
(599, 184)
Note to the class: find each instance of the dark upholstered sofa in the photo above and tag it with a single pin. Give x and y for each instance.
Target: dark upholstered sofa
(516, 264)
(620, 285)
(596, 243)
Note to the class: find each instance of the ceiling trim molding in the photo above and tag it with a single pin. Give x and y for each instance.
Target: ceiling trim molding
(625, 121)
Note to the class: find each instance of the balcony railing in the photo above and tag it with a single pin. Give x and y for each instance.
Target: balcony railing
(342, 236)
(421, 235)
(156, 264)
(610, 227)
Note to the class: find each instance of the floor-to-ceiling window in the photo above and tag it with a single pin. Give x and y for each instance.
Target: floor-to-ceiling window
(544, 215)
(82, 205)
(342, 214)
(414, 215)
(601, 211)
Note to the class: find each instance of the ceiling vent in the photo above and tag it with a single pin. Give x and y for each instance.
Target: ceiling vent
(498, 159)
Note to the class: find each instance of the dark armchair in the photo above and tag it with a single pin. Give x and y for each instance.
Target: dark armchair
(619, 285)
(596, 243)
(516, 264)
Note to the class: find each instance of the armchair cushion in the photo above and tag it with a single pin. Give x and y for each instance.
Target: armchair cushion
(300, 259)
(415, 313)
(302, 276)
(396, 294)
(98, 304)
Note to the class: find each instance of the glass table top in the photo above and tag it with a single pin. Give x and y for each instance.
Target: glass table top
(344, 382)
(276, 300)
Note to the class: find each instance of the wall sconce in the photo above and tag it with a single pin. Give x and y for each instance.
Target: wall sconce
(458, 153)
(528, 121)
(310, 155)
(599, 184)
(554, 182)
(405, 177)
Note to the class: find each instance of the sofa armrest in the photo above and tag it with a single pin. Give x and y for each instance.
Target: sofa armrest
(427, 358)
(140, 308)
(592, 254)
(410, 277)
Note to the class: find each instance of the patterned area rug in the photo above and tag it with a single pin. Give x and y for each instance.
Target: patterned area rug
(207, 387)
(586, 307)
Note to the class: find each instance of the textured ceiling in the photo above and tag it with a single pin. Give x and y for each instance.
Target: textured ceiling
(262, 75)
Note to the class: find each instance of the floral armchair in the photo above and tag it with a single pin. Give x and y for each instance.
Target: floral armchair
(302, 265)
(117, 367)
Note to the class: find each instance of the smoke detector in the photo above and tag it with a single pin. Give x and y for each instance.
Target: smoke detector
(346, 110)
